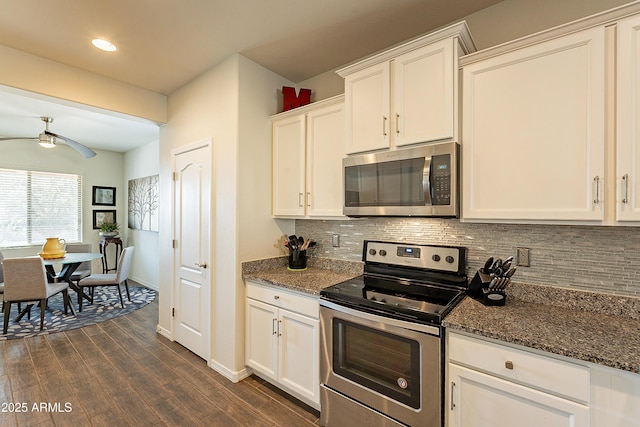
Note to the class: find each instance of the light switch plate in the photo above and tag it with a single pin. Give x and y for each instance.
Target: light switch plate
(335, 240)
(522, 257)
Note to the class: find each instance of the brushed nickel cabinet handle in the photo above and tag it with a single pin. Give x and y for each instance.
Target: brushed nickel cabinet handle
(308, 198)
(300, 204)
(279, 328)
(274, 325)
(597, 181)
(453, 405)
(397, 124)
(384, 125)
(625, 181)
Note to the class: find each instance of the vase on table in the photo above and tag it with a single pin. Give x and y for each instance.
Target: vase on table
(53, 248)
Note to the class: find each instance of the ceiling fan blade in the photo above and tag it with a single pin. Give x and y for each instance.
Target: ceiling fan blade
(11, 138)
(85, 151)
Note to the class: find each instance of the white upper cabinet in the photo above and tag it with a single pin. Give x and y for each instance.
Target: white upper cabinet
(405, 95)
(308, 147)
(424, 87)
(533, 131)
(289, 165)
(628, 120)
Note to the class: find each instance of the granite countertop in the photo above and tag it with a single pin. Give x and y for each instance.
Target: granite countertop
(320, 273)
(597, 328)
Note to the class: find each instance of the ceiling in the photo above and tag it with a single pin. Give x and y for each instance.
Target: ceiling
(164, 44)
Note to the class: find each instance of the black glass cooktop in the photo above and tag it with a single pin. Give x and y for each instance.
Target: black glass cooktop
(397, 298)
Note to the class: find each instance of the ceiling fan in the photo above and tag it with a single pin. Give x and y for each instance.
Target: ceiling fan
(49, 139)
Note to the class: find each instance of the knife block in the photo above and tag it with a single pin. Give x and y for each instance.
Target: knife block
(479, 290)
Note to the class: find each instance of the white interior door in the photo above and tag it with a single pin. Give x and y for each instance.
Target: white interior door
(192, 282)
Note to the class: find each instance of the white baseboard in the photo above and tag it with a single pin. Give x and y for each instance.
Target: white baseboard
(145, 283)
(164, 332)
(234, 376)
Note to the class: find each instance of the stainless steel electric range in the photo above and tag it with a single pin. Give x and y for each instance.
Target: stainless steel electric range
(382, 343)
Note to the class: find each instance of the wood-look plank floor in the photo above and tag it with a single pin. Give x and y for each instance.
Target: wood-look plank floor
(122, 373)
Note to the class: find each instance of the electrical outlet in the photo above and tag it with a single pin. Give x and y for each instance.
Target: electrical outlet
(335, 240)
(522, 257)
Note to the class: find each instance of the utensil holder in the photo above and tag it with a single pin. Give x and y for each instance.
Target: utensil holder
(479, 290)
(297, 260)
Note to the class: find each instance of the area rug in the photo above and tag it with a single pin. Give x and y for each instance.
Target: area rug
(106, 305)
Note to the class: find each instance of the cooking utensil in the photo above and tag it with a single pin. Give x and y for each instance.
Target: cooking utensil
(510, 273)
(487, 266)
(506, 266)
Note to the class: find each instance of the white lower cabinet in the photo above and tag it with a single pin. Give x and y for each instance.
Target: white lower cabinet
(282, 340)
(615, 398)
(494, 385)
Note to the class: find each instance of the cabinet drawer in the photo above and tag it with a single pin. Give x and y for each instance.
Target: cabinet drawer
(527, 368)
(283, 298)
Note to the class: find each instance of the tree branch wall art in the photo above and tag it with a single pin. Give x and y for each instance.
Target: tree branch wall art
(143, 203)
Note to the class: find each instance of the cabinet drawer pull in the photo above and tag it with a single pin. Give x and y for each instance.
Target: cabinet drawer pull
(625, 182)
(273, 326)
(508, 364)
(279, 328)
(276, 297)
(384, 125)
(308, 199)
(300, 203)
(597, 182)
(397, 124)
(453, 405)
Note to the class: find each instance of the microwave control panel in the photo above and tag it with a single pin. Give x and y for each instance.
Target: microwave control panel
(441, 179)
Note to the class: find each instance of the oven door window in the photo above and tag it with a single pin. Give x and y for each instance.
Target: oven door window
(378, 360)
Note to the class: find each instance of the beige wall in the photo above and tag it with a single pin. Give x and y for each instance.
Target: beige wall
(105, 169)
(229, 104)
(503, 22)
(138, 163)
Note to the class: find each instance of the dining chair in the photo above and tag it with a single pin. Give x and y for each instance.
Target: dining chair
(1, 279)
(109, 279)
(25, 280)
(84, 269)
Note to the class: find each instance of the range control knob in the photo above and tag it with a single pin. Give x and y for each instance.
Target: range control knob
(449, 259)
(372, 251)
(436, 257)
(383, 252)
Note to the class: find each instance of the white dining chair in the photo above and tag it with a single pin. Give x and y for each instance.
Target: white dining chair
(110, 279)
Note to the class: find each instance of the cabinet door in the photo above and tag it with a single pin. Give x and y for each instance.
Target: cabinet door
(261, 352)
(288, 166)
(299, 354)
(628, 126)
(477, 399)
(424, 94)
(325, 150)
(367, 109)
(533, 132)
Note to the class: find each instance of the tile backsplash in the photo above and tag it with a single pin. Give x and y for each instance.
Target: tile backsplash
(592, 258)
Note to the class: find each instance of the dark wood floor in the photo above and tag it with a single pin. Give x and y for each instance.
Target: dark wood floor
(121, 373)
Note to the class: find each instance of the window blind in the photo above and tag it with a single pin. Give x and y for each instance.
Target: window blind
(37, 205)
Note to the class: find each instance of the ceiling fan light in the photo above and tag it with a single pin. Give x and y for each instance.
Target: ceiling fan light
(47, 141)
(105, 45)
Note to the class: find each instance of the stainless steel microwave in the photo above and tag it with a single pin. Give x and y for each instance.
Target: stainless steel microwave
(421, 181)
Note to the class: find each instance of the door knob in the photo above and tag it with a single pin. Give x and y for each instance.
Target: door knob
(203, 265)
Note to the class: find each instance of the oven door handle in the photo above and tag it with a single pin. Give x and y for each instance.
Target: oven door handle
(418, 327)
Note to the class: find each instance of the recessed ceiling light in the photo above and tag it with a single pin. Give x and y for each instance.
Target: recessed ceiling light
(103, 44)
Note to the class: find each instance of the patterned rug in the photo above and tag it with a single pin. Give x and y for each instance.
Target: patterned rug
(106, 305)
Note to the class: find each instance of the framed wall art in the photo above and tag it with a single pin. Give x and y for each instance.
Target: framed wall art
(100, 217)
(104, 196)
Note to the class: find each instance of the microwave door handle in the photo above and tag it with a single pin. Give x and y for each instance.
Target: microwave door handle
(426, 181)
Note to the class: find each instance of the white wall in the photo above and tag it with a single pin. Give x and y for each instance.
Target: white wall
(500, 23)
(139, 163)
(105, 169)
(229, 104)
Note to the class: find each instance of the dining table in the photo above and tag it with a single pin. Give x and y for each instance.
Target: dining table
(68, 264)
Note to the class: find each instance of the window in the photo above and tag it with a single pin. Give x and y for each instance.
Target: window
(37, 205)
